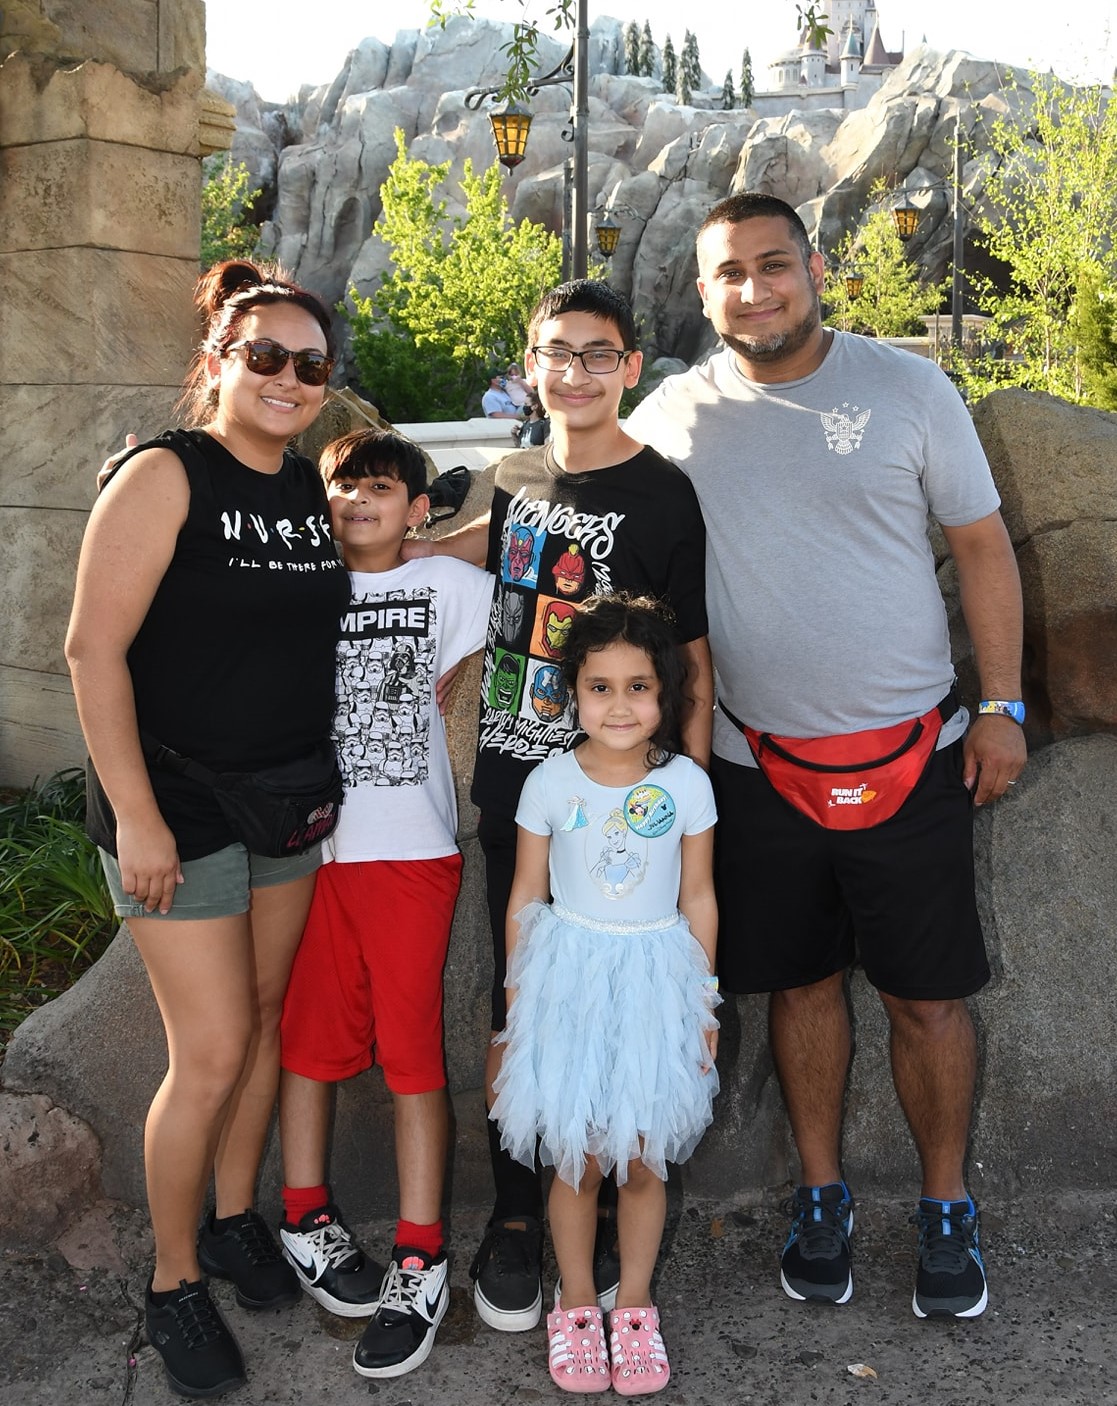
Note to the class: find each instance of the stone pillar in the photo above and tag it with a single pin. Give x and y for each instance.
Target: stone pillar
(99, 239)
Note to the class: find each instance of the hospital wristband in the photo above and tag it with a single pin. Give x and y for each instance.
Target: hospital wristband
(1006, 708)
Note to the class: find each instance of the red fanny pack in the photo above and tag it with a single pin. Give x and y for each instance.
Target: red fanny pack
(828, 778)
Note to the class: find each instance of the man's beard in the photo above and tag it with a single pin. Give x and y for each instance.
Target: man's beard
(779, 346)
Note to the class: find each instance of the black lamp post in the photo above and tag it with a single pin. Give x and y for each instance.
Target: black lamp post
(512, 140)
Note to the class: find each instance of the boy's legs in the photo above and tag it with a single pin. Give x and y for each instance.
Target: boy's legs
(415, 898)
(328, 974)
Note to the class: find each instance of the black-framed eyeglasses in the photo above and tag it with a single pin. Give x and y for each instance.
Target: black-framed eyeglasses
(598, 361)
(267, 358)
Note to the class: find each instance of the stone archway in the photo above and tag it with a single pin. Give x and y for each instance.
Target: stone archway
(103, 119)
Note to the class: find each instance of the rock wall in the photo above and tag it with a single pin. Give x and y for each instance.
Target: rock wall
(1047, 883)
(322, 157)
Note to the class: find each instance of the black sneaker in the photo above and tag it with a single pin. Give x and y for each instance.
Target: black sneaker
(331, 1266)
(816, 1263)
(950, 1278)
(508, 1274)
(199, 1352)
(245, 1252)
(606, 1262)
(413, 1300)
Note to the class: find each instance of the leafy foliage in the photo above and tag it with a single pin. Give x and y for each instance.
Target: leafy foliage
(56, 916)
(892, 300)
(1055, 229)
(226, 199)
(457, 297)
(815, 24)
(1095, 316)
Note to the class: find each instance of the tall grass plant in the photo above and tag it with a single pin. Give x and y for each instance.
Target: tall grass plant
(56, 916)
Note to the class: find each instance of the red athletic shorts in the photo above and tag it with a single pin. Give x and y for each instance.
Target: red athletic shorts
(368, 973)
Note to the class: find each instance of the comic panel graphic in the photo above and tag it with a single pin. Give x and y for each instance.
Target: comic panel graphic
(546, 698)
(385, 686)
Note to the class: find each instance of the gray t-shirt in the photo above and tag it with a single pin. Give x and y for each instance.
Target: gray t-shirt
(825, 614)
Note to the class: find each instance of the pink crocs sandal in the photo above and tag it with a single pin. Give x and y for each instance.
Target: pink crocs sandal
(640, 1363)
(579, 1360)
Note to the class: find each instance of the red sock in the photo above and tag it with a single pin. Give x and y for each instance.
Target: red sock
(299, 1200)
(427, 1238)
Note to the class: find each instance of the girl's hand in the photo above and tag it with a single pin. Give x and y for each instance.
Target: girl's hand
(711, 1045)
(149, 865)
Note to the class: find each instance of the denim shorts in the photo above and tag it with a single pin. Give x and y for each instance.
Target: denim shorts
(215, 886)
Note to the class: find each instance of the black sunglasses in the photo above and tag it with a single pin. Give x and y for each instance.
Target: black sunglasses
(268, 358)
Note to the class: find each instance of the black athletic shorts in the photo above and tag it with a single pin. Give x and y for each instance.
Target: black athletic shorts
(798, 903)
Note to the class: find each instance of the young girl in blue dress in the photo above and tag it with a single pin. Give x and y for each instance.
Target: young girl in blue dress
(611, 1036)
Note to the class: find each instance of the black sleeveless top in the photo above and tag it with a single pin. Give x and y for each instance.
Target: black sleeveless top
(234, 662)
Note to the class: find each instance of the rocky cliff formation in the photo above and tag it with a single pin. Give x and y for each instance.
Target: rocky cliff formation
(323, 156)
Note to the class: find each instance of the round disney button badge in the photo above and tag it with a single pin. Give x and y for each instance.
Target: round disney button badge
(649, 810)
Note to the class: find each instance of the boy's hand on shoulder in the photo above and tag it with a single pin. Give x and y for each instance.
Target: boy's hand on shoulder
(416, 548)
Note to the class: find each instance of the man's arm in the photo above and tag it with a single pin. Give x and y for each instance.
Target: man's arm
(989, 586)
(698, 715)
(469, 543)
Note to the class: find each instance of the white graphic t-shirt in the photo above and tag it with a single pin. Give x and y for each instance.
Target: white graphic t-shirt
(401, 630)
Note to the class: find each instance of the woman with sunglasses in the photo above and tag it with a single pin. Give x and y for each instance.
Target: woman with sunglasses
(206, 619)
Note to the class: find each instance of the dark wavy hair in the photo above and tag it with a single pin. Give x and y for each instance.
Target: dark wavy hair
(750, 205)
(224, 296)
(648, 625)
(375, 454)
(590, 295)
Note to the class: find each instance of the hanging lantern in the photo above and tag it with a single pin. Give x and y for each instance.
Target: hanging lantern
(511, 124)
(854, 283)
(906, 218)
(608, 235)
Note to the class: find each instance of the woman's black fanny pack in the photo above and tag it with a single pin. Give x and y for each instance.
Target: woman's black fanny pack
(279, 811)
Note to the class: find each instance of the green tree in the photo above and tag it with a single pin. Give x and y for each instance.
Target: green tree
(1054, 226)
(225, 201)
(669, 66)
(647, 51)
(891, 301)
(457, 297)
(1095, 314)
(728, 92)
(631, 47)
(690, 61)
(747, 89)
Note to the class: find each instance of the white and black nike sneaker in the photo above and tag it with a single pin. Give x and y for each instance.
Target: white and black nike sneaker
(413, 1300)
(331, 1266)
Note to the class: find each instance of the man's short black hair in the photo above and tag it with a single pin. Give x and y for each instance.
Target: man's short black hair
(375, 454)
(748, 205)
(586, 295)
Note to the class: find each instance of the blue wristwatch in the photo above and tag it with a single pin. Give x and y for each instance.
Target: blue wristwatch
(1011, 708)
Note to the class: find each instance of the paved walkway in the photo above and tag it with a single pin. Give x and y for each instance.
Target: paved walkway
(71, 1336)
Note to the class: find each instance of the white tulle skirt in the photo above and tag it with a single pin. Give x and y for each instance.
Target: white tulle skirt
(605, 1044)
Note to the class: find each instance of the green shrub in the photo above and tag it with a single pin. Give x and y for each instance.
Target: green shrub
(56, 916)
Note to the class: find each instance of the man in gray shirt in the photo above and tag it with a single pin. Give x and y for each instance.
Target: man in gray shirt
(817, 457)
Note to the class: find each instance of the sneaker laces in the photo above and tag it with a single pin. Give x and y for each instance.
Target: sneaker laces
(196, 1319)
(820, 1226)
(511, 1249)
(945, 1251)
(401, 1288)
(255, 1242)
(333, 1242)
